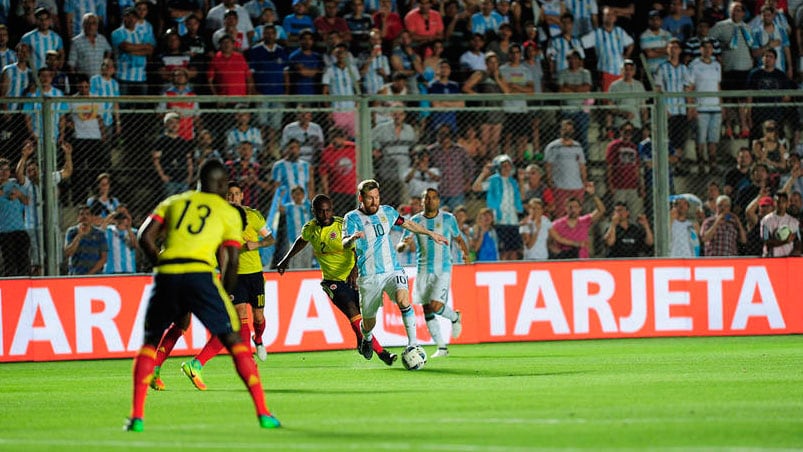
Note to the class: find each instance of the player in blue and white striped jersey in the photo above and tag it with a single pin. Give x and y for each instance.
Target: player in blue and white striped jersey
(368, 232)
(435, 266)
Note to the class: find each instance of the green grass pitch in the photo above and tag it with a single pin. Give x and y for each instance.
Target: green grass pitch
(741, 393)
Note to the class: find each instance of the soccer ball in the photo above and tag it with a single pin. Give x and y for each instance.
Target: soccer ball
(783, 233)
(414, 358)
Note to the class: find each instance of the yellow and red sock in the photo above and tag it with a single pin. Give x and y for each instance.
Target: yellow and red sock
(144, 363)
(210, 350)
(259, 329)
(245, 332)
(247, 369)
(168, 342)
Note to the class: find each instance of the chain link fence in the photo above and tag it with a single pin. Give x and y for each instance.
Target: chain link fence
(121, 156)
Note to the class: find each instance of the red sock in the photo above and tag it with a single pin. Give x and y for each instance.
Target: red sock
(377, 346)
(168, 342)
(245, 332)
(143, 374)
(247, 369)
(259, 329)
(355, 325)
(211, 349)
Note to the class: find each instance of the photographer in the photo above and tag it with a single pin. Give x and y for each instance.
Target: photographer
(721, 232)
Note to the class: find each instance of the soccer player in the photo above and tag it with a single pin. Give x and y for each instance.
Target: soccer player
(325, 233)
(368, 229)
(196, 227)
(435, 266)
(250, 289)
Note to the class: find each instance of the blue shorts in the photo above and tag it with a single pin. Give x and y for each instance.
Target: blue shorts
(250, 289)
(174, 295)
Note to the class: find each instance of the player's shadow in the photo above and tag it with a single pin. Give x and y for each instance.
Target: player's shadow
(492, 373)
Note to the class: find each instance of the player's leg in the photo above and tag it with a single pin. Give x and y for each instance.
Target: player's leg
(423, 293)
(346, 298)
(400, 294)
(258, 313)
(371, 289)
(171, 336)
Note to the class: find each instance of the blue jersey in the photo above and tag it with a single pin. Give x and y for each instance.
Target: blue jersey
(269, 67)
(40, 43)
(295, 217)
(11, 210)
(131, 68)
(434, 258)
(290, 174)
(18, 80)
(375, 251)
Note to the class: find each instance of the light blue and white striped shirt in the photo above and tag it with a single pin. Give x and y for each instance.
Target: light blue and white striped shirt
(58, 109)
(80, 7)
(373, 80)
(237, 136)
(289, 174)
(762, 38)
(100, 87)
(40, 43)
(559, 49)
(7, 57)
(483, 24)
(582, 11)
(295, 217)
(673, 79)
(434, 258)
(259, 34)
(342, 82)
(120, 257)
(376, 253)
(131, 68)
(610, 46)
(18, 81)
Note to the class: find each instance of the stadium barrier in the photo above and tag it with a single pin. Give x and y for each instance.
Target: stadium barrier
(52, 319)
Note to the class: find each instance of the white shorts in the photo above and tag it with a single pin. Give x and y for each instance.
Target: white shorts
(432, 287)
(372, 287)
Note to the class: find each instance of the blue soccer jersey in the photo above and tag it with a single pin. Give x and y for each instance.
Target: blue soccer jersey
(434, 258)
(375, 251)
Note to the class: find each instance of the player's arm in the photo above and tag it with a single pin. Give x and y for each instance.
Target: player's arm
(406, 242)
(298, 245)
(350, 239)
(229, 260)
(148, 234)
(418, 229)
(464, 248)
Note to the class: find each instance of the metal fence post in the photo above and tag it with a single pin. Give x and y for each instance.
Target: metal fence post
(365, 159)
(660, 180)
(50, 189)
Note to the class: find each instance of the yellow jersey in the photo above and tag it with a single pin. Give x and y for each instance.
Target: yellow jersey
(196, 224)
(327, 244)
(255, 230)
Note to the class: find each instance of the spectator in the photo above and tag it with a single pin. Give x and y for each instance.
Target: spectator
(460, 215)
(769, 35)
(121, 244)
(307, 133)
(297, 23)
(759, 182)
(422, 175)
(771, 149)
(334, 39)
(268, 17)
(289, 171)
(576, 79)
(489, 81)
(673, 77)
(247, 172)
(46, 89)
(107, 204)
(172, 157)
(360, 25)
(792, 182)
(691, 48)
(61, 81)
(424, 24)
(684, 233)
(14, 240)
(764, 78)
(142, 7)
(305, 66)
(721, 233)
(737, 58)
(180, 94)
(228, 73)
(256, 8)
(338, 171)
(206, 149)
(771, 223)
(7, 55)
(457, 30)
(474, 58)
(268, 62)
(405, 60)
(132, 50)
(91, 154)
(532, 185)
(89, 49)
(386, 173)
(624, 238)
(105, 85)
(503, 196)
(15, 79)
(215, 18)
(85, 246)
(474, 146)
(565, 164)
(534, 64)
(612, 44)
(552, 12)
(395, 140)
(758, 208)
(738, 177)
(520, 81)
(342, 79)
(297, 213)
(200, 50)
(678, 22)
(330, 21)
(654, 40)
(484, 241)
(534, 231)
(585, 14)
(42, 39)
(501, 44)
(623, 171)
(628, 109)
(487, 20)
(705, 73)
(710, 202)
(457, 168)
(388, 22)
(243, 131)
(374, 65)
(27, 173)
(570, 233)
(242, 40)
(561, 46)
(795, 205)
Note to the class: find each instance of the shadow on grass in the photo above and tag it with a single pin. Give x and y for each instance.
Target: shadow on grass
(499, 373)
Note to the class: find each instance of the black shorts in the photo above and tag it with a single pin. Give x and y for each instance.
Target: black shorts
(174, 295)
(518, 124)
(509, 237)
(250, 289)
(678, 131)
(345, 297)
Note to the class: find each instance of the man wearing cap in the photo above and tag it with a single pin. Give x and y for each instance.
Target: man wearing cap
(628, 109)
(654, 40)
(42, 39)
(775, 246)
(132, 50)
(172, 157)
(89, 48)
(759, 207)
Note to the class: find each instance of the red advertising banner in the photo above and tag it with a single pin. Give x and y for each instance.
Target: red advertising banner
(91, 318)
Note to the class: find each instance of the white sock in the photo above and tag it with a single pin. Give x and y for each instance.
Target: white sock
(367, 335)
(408, 318)
(435, 331)
(448, 313)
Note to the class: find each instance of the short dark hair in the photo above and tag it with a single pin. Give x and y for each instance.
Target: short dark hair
(367, 185)
(319, 199)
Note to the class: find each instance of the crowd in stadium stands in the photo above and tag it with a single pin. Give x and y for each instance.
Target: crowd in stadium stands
(536, 198)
